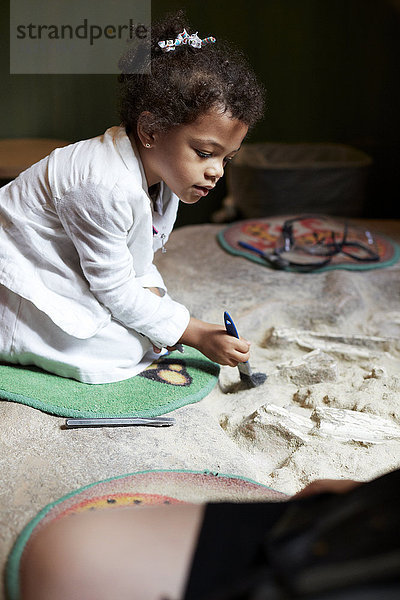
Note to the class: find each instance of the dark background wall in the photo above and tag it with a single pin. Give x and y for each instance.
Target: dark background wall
(330, 67)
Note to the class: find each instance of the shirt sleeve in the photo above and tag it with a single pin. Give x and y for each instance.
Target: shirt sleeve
(98, 220)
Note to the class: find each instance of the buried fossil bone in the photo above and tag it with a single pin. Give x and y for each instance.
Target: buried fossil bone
(341, 424)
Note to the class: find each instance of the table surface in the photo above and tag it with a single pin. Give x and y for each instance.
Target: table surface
(18, 154)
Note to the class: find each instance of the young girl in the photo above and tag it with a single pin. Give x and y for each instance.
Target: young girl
(79, 293)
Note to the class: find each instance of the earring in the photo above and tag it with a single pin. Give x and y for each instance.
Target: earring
(148, 145)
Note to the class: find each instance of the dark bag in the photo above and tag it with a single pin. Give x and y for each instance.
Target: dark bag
(330, 547)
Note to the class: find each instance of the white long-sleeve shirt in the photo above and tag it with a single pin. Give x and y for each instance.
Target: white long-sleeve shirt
(77, 240)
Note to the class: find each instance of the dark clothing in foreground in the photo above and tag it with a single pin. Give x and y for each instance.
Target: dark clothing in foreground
(324, 547)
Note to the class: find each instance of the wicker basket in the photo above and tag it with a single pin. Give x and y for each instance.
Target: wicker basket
(275, 179)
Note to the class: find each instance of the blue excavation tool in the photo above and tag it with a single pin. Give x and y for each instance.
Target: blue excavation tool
(249, 378)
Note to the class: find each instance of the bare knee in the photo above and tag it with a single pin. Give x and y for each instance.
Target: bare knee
(112, 553)
(53, 562)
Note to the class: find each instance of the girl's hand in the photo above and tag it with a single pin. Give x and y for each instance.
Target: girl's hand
(214, 342)
(322, 486)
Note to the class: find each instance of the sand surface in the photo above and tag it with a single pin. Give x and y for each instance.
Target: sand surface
(330, 407)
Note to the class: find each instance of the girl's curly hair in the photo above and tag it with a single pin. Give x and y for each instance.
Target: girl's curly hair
(187, 82)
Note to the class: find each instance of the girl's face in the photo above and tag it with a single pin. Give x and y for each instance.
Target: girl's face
(191, 158)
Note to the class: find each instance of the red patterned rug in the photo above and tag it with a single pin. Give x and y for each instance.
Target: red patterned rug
(264, 235)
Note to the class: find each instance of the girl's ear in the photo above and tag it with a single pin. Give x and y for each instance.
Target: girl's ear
(145, 129)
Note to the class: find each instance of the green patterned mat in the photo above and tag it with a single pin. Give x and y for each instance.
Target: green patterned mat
(169, 383)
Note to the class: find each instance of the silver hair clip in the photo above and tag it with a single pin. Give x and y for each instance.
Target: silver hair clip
(185, 38)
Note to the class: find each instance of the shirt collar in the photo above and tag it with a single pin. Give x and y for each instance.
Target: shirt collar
(130, 155)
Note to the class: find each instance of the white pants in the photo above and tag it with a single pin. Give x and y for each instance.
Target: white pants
(29, 337)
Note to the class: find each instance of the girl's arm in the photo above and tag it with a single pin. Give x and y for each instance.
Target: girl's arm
(212, 341)
(98, 221)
